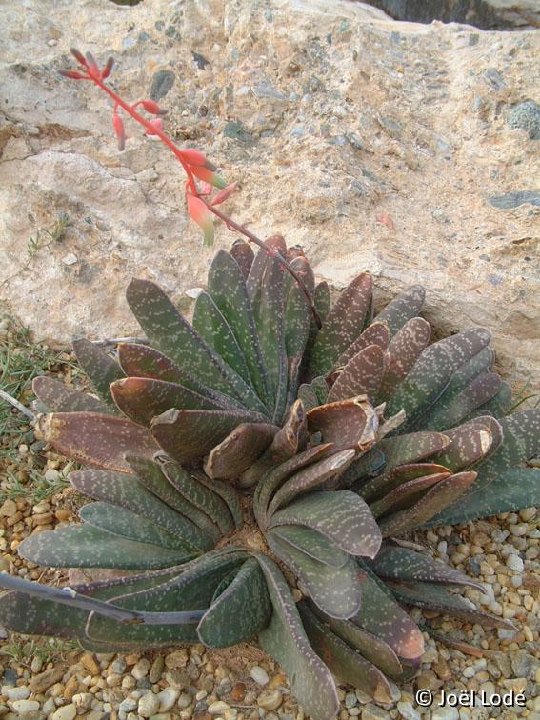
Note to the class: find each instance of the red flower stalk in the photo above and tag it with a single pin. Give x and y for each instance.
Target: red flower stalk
(200, 204)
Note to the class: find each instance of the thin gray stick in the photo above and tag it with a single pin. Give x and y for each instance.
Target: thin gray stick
(67, 596)
(17, 405)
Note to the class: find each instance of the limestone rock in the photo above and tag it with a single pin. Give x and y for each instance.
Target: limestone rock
(375, 144)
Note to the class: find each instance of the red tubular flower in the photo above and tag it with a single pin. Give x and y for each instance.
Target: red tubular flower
(152, 107)
(73, 74)
(107, 69)
(119, 130)
(79, 57)
(200, 214)
(224, 194)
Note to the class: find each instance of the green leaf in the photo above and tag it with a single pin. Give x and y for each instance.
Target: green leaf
(96, 439)
(200, 496)
(381, 615)
(246, 600)
(375, 334)
(152, 478)
(190, 434)
(132, 526)
(141, 399)
(321, 299)
(242, 253)
(308, 396)
(297, 329)
(372, 648)
(87, 547)
(362, 375)
(311, 543)
(99, 366)
(439, 497)
(214, 329)
(286, 641)
(346, 664)
(341, 516)
(172, 334)
(480, 391)
(58, 397)
(227, 288)
(311, 477)
(469, 444)
(127, 492)
(405, 565)
(404, 307)
(403, 351)
(406, 494)
(344, 323)
(434, 597)
(431, 373)
(511, 490)
(336, 590)
(400, 450)
(239, 450)
(227, 493)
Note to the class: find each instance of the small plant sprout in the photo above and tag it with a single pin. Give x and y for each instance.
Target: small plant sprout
(202, 175)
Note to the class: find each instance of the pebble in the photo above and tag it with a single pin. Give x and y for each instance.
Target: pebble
(167, 698)
(260, 675)
(350, 700)
(372, 712)
(156, 670)
(514, 562)
(218, 708)
(407, 711)
(24, 706)
(148, 705)
(66, 712)
(141, 669)
(445, 713)
(82, 701)
(17, 693)
(272, 699)
(127, 705)
(43, 681)
(88, 661)
(177, 659)
(184, 700)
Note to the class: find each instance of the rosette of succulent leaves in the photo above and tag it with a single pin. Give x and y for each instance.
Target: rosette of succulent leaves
(252, 476)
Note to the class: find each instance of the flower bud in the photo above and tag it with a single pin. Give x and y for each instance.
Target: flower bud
(107, 69)
(152, 107)
(119, 130)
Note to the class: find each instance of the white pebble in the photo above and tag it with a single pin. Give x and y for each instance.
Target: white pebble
(66, 712)
(167, 698)
(141, 669)
(260, 675)
(218, 708)
(148, 705)
(24, 706)
(514, 562)
(18, 693)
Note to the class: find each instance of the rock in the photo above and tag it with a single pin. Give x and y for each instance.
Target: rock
(18, 693)
(156, 670)
(148, 705)
(42, 682)
(218, 708)
(82, 701)
(514, 562)
(24, 706)
(8, 509)
(66, 712)
(88, 661)
(525, 116)
(407, 711)
(177, 659)
(487, 15)
(445, 713)
(270, 700)
(167, 698)
(141, 669)
(260, 675)
(372, 712)
(296, 84)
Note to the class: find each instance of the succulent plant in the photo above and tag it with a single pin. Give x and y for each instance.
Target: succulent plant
(252, 474)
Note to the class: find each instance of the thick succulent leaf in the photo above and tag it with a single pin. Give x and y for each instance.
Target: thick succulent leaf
(351, 423)
(152, 478)
(141, 399)
(214, 329)
(240, 611)
(286, 641)
(521, 433)
(58, 397)
(34, 615)
(172, 334)
(511, 490)
(336, 590)
(200, 496)
(381, 615)
(309, 478)
(435, 597)
(127, 524)
(239, 450)
(372, 648)
(243, 255)
(227, 287)
(100, 367)
(322, 300)
(341, 516)
(87, 547)
(274, 244)
(400, 450)
(193, 589)
(499, 405)
(96, 439)
(127, 492)
(431, 373)
(311, 543)
(367, 466)
(375, 334)
(320, 387)
(297, 328)
(308, 396)
(190, 434)
(406, 494)
(477, 393)
(344, 323)
(403, 564)
(274, 478)
(403, 351)
(404, 307)
(226, 493)
(439, 497)
(469, 444)
(348, 665)
(362, 375)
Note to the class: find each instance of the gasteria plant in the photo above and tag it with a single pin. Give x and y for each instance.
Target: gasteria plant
(252, 474)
